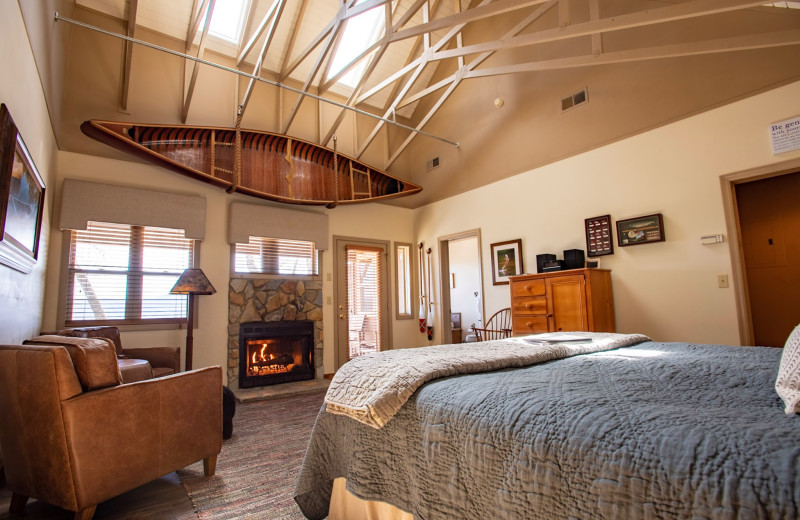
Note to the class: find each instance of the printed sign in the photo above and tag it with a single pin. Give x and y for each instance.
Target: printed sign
(785, 135)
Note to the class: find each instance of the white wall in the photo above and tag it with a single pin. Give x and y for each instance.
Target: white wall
(667, 290)
(20, 89)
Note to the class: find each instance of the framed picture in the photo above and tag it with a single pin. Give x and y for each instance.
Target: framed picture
(21, 199)
(506, 260)
(599, 241)
(640, 230)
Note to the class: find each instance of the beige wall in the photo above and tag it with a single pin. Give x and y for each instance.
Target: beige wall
(667, 290)
(20, 89)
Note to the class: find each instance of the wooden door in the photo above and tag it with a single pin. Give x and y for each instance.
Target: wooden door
(362, 298)
(567, 303)
(769, 217)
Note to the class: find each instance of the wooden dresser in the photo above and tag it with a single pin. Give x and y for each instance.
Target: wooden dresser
(577, 299)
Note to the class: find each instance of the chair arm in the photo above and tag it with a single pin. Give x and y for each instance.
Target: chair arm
(124, 436)
(167, 357)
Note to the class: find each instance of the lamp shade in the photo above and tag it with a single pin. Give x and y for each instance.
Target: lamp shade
(193, 281)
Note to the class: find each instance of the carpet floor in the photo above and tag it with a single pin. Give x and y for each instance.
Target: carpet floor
(258, 466)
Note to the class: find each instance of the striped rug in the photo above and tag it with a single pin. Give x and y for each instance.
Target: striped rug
(257, 468)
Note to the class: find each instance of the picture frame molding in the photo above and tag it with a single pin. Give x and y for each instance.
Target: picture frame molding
(495, 249)
(14, 253)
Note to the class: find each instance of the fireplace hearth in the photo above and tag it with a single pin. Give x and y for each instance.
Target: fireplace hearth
(271, 353)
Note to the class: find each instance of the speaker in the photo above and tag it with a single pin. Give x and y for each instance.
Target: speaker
(542, 259)
(573, 259)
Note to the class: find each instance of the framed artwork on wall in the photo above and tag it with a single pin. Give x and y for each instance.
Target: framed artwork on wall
(599, 240)
(21, 199)
(506, 260)
(640, 230)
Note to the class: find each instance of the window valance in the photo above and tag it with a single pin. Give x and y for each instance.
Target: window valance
(248, 220)
(83, 201)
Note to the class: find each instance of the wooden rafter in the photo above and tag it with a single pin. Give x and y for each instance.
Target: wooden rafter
(262, 26)
(275, 12)
(196, 21)
(456, 78)
(133, 7)
(737, 43)
(594, 15)
(200, 51)
(292, 40)
(670, 13)
(470, 15)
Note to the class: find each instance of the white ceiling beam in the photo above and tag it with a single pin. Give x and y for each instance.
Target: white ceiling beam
(314, 70)
(733, 44)
(196, 65)
(269, 35)
(194, 27)
(470, 15)
(456, 78)
(525, 22)
(670, 13)
(292, 40)
(133, 8)
(594, 15)
(262, 26)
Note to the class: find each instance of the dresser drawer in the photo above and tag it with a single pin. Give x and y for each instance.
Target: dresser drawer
(529, 306)
(527, 288)
(529, 325)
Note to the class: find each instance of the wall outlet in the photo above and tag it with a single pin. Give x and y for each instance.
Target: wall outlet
(722, 281)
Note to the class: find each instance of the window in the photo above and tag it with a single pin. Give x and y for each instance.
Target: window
(360, 32)
(402, 258)
(364, 299)
(275, 256)
(227, 20)
(121, 274)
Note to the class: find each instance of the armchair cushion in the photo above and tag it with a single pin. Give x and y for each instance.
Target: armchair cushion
(95, 360)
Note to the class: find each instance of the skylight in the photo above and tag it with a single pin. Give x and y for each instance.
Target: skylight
(227, 20)
(359, 33)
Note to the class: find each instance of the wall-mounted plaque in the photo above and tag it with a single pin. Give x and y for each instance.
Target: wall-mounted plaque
(599, 241)
(640, 230)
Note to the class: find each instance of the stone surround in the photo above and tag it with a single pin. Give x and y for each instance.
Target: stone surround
(261, 299)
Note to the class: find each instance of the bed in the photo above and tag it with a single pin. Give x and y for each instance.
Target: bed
(650, 430)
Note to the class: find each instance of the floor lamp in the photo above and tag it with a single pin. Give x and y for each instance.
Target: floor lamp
(191, 282)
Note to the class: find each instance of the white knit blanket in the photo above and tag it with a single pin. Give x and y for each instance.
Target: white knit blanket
(372, 388)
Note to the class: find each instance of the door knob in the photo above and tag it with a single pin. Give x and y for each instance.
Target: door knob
(341, 316)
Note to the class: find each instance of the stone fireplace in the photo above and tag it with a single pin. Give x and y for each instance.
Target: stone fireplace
(290, 305)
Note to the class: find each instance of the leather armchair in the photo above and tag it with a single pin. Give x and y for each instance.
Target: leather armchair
(73, 436)
(136, 364)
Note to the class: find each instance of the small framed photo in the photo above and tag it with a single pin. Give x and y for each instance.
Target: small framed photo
(506, 260)
(21, 199)
(640, 230)
(599, 240)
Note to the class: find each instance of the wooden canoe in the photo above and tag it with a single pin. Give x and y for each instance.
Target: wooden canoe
(272, 166)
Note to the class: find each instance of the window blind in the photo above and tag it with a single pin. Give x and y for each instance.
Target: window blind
(364, 299)
(276, 256)
(120, 274)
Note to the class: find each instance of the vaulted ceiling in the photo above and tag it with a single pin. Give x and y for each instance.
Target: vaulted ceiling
(429, 51)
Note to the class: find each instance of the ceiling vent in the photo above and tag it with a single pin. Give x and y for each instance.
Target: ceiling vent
(575, 99)
(432, 164)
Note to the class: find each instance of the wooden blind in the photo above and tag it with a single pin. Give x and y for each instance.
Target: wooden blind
(120, 274)
(365, 293)
(276, 256)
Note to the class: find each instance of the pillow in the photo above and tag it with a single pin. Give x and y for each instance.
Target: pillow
(95, 359)
(788, 382)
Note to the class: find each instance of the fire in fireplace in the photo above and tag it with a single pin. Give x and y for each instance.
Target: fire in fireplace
(275, 352)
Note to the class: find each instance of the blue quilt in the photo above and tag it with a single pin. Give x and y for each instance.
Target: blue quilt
(657, 430)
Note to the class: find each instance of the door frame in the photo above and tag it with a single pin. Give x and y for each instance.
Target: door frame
(338, 283)
(730, 206)
(444, 278)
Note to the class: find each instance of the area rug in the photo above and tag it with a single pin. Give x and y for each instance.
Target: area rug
(258, 466)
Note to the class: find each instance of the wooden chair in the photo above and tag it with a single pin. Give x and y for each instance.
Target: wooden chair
(498, 326)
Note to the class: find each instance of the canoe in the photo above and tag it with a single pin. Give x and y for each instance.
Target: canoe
(271, 166)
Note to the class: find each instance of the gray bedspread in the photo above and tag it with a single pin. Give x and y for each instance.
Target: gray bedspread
(657, 430)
